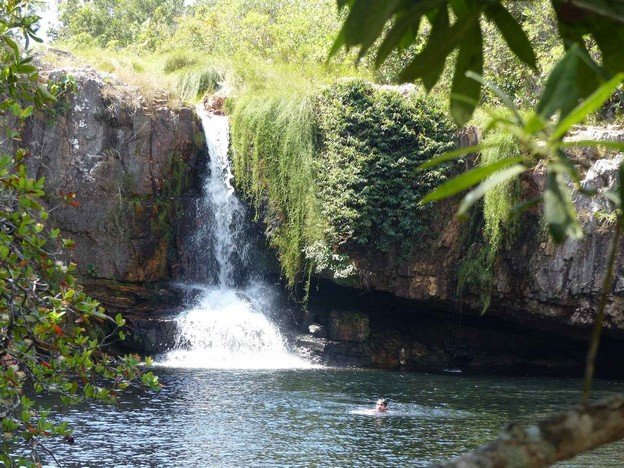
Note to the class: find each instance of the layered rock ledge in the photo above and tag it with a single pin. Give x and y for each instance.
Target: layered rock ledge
(118, 169)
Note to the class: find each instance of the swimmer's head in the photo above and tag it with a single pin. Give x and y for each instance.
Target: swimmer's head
(382, 404)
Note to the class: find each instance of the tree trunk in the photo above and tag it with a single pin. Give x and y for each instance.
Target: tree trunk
(555, 438)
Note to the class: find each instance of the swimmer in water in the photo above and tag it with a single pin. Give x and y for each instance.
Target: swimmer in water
(382, 405)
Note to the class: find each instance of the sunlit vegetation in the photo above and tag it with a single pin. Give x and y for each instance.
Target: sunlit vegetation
(494, 225)
(289, 121)
(54, 338)
(334, 171)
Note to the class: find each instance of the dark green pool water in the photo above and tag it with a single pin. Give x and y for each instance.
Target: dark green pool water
(314, 417)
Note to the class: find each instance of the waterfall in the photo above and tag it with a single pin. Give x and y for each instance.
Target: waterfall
(227, 209)
(227, 325)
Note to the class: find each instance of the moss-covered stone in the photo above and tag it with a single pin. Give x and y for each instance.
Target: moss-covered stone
(349, 326)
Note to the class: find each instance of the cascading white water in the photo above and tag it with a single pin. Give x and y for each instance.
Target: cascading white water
(222, 200)
(227, 327)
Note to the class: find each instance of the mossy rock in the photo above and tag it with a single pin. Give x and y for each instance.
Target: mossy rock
(349, 326)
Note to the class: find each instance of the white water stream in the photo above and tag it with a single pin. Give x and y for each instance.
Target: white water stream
(227, 326)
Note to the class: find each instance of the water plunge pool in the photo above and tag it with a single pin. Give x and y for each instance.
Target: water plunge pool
(313, 417)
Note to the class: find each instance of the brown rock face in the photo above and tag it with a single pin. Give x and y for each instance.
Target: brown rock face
(348, 326)
(124, 165)
(538, 284)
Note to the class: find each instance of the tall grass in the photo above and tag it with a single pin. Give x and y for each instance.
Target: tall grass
(498, 223)
(498, 203)
(177, 61)
(186, 75)
(273, 140)
(193, 84)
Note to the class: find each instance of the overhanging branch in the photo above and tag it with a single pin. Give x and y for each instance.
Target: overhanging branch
(558, 437)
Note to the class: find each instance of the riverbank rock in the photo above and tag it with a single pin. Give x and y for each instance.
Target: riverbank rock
(118, 168)
(318, 331)
(348, 326)
(151, 335)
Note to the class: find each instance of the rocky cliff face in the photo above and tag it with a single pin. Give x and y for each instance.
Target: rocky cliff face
(117, 171)
(536, 282)
(121, 176)
(543, 299)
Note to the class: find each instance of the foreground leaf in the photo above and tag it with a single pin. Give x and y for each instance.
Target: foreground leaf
(470, 59)
(475, 195)
(468, 179)
(559, 212)
(513, 33)
(448, 156)
(589, 105)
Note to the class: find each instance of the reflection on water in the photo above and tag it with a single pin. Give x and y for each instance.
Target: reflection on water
(313, 417)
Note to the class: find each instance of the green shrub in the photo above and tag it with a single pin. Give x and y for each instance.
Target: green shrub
(178, 61)
(335, 170)
(371, 141)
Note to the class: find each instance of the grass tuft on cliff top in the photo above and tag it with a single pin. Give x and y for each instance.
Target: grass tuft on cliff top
(184, 76)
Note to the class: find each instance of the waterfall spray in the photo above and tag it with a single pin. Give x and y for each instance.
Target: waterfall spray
(228, 325)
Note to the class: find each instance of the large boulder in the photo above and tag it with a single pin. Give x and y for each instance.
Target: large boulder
(348, 326)
(116, 168)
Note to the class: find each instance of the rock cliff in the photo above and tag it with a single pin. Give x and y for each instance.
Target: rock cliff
(552, 287)
(122, 174)
(118, 169)
(543, 300)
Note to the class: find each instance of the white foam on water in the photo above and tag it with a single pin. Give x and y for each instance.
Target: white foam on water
(225, 331)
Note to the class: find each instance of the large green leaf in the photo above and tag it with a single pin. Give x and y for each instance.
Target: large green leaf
(559, 213)
(609, 37)
(405, 28)
(365, 22)
(430, 75)
(607, 9)
(513, 33)
(429, 63)
(468, 179)
(611, 145)
(571, 80)
(403, 31)
(449, 155)
(469, 59)
(589, 105)
(498, 178)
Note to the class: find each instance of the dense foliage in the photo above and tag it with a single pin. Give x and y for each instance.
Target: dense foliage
(118, 23)
(370, 142)
(335, 171)
(457, 25)
(51, 339)
(278, 30)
